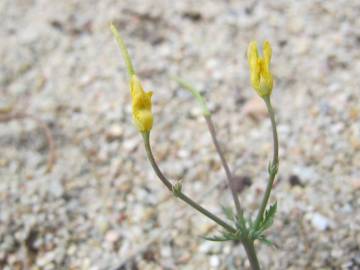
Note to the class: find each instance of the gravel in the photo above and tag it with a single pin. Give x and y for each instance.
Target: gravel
(101, 206)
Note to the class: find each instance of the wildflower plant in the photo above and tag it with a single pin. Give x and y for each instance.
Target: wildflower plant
(237, 227)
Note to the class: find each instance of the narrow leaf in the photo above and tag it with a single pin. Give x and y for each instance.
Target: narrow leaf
(266, 241)
(228, 212)
(123, 49)
(217, 238)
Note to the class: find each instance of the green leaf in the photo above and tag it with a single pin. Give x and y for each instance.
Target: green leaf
(268, 218)
(266, 241)
(224, 236)
(265, 223)
(123, 49)
(176, 188)
(273, 168)
(216, 238)
(228, 212)
(241, 224)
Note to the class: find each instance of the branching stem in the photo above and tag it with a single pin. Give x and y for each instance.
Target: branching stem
(273, 167)
(180, 194)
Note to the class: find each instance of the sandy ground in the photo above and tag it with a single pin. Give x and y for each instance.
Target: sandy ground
(101, 207)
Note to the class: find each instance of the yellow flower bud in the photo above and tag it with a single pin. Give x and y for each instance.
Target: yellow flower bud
(141, 105)
(260, 75)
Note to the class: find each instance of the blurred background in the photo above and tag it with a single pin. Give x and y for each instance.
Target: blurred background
(76, 190)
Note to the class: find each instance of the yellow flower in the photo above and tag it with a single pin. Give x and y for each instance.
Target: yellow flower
(141, 100)
(141, 105)
(261, 77)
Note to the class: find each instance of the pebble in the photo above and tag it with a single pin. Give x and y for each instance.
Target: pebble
(56, 188)
(71, 250)
(320, 222)
(46, 259)
(255, 108)
(114, 132)
(166, 252)
(206, 247)
(308, 174)
(112, 236)
(102, 223)
(130, 144)
(355, 183)
(214, 261)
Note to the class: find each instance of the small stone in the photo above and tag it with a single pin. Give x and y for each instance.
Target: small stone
(56, 188)
(102, 224)
(354, 113)
(337, 253)
(71, 250)
(6, 106)
(214, 261)
(347, 208)
(131, 144)
(114, 132)
(3, 162)
(166, 252)
(320, 222)
(307, 174)
(206, 247)
(254, 108)
(196, 112)
(355, 183)
(294, 180)
(46, 259)
(86, 263)
(240, 182)
(112, 236)
(295, 25)
(355, 142)
(183, 153)
(302, 46)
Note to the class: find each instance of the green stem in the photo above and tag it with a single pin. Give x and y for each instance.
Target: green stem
(196, 93)
(179, 194)
(224, 163)
(273, 125)
(273, 168)
(205, 212)
(151, 158)
(247, 243)
(251, 253)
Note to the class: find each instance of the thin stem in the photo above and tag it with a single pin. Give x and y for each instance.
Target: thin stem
(179, 194)
(207, 115)
(205, 212)
(273, 125)
(196, 93)
(151, 158)
(123, 49)
(273, 168)
(251, 253)
(224, 163)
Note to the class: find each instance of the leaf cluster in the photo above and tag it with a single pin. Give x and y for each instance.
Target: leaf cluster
(246, 229)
